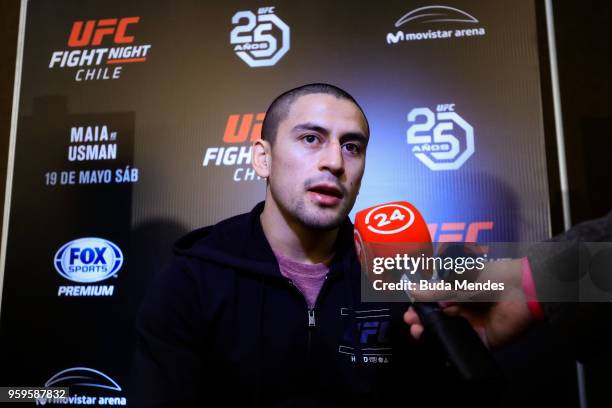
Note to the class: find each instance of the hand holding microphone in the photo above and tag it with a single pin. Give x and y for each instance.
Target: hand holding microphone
(397, 232)
(499, 320)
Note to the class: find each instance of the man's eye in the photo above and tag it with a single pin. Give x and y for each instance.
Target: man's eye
(310, 139)
(352, 148)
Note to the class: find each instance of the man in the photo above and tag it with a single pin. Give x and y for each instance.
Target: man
(263, 309)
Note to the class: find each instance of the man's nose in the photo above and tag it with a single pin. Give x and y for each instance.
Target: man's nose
(332, 159)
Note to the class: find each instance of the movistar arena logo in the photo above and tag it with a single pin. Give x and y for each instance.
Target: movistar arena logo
(435, 23)
(87, 387)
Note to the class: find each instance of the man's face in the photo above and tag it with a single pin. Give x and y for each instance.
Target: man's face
(317, 160)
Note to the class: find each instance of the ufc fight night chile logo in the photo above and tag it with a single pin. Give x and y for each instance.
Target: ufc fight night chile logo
(98, 49)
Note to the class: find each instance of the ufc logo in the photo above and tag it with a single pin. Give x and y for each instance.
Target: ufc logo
(372, 332)
(445, 107)
(92, 32)
(248, 128)
(458, 231)
(265, 10)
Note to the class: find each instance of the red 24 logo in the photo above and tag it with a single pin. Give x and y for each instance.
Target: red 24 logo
(389, 219)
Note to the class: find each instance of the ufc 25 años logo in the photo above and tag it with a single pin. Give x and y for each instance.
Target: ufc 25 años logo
(259, 40)
(441, 140)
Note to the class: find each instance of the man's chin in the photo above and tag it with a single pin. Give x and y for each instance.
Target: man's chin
(323, 227)
(324, 219)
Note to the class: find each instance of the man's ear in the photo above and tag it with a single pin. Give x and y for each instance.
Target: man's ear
(261, 157)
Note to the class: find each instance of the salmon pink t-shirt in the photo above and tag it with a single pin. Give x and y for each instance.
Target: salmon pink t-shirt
(308, 278)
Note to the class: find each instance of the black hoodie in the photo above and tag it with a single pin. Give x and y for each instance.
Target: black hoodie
(222, 326)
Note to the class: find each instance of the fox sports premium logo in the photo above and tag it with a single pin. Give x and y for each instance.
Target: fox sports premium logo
(259, 40)
(88, 260)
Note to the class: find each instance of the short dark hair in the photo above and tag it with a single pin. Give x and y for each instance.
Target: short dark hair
(279, 108)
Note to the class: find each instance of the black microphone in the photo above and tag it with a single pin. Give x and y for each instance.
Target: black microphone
(396, 228)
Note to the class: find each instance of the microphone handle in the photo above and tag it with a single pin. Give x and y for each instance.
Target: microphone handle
(465, 350)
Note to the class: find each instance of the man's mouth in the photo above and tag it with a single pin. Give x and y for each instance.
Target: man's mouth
(327, 189)
(326, 194)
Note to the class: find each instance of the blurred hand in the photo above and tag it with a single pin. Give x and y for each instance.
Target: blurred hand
(498, 321)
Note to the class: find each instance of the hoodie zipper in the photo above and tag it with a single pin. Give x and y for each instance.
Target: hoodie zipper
(311, 327)
(309, 311)
(312, 321)
(311, 318)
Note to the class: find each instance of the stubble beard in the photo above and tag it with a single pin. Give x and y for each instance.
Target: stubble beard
(308, 213)
(321, 220)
